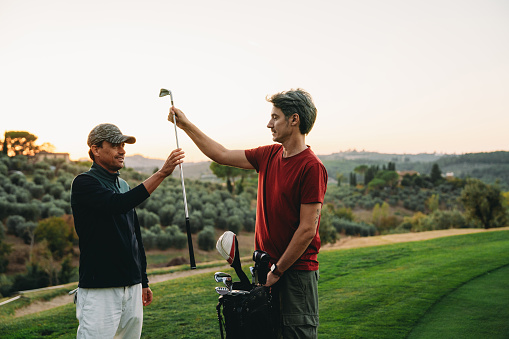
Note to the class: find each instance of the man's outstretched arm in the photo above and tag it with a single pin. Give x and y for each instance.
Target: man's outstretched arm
(211, 148)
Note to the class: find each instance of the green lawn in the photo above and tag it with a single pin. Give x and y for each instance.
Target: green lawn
(381, 292)
(474, 310)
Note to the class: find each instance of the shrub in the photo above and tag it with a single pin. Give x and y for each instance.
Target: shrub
(149, 239)
(35, 277)
(55, 212)
(66, 270)
(13, 222)
(483, 204)
(196, 221)
(56, 191)
(148, 219)
(166, 214)
(153, 205)
(23, 195)
(164, 241)
(40, 179)
(3, 169)
(26, 230)
(29, 211)
(5, 250)
(250, 221)
(327, 231)
(36, 191)
(18, 179)
(206, 239)
(5, 286)
(179, 238)
(234, 223)
(349, 227)
(2, 231)
(344, 213)
(449, 219)
(56, 232)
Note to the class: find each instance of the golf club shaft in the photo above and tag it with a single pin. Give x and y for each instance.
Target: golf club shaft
(188, 226)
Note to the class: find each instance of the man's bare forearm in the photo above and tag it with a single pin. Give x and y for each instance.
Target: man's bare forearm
(298, 245)
(310, 214)
(174, 159)
(211, 148)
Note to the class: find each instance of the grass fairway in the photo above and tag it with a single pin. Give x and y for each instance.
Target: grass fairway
(379, 292)
(474, 310)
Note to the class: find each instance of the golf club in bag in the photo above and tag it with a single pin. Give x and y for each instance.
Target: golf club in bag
(247, 308)
(163, 93)
(228, 246)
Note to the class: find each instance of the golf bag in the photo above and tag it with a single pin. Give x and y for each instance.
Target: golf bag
(247, 315)
(247, 309)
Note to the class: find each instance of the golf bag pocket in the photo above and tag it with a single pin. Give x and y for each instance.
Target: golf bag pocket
(247, 314)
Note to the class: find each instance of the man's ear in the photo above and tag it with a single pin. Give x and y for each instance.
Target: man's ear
(295, 119)
(95, 150)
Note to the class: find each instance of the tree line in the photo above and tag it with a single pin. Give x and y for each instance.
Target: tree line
(35, 206)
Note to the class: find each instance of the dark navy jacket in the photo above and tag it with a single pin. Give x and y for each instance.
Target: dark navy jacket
(111, 248)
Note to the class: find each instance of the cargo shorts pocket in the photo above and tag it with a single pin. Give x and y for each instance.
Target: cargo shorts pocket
(299, 298)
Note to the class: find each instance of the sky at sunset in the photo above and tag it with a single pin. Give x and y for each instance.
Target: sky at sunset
(388, 76)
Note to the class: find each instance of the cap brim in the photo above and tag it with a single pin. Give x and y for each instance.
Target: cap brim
(123, 138)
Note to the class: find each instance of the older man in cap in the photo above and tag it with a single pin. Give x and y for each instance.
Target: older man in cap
(113, 283)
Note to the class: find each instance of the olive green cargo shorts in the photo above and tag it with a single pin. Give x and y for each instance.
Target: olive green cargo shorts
(298, 295)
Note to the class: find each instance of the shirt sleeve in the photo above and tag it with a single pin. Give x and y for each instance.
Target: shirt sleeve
(252, 157)
(259, 156)
(141, 249)
(314, 184)
(88, 191)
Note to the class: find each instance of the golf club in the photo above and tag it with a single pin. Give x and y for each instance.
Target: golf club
(162, 93)
(254, 275)
(261, 260)
(222, 290)
(227, 245)
(225, 278)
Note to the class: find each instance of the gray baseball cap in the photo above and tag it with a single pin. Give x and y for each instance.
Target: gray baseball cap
(108, 132)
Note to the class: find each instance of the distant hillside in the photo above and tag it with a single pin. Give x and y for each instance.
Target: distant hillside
(490, 167)
(192, 170)
(381, 157)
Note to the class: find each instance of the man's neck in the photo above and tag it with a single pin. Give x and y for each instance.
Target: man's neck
(294, 146)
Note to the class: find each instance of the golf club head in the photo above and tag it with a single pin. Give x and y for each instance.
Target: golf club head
(226, 246)
(254, 278)
(219, 276)
(261, 260)
(164, 92)
(222, 290)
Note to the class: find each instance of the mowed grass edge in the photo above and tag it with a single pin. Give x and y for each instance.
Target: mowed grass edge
(379, 291)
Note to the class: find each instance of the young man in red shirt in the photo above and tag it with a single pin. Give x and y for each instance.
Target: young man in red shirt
(291, 187)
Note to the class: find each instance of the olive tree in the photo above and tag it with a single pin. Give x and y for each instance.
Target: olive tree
(483, 204)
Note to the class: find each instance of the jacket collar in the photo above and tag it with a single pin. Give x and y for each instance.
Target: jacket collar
(102, 173)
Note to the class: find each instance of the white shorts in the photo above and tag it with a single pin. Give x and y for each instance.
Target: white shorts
(115, 312)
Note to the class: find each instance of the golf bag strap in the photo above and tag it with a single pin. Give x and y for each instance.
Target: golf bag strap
(220, 319)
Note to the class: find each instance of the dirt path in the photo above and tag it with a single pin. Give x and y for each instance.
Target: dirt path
(354, 242)
(343, 243)
(61, 300)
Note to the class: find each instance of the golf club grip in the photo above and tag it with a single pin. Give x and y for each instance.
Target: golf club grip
(190, 244)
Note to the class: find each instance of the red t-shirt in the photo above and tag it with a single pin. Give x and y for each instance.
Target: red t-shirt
(283, 185)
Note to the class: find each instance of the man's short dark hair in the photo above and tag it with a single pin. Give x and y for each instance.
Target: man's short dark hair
(296, 101)
(91, 154)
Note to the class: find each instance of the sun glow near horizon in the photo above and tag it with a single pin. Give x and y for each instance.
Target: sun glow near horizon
(393, 77)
